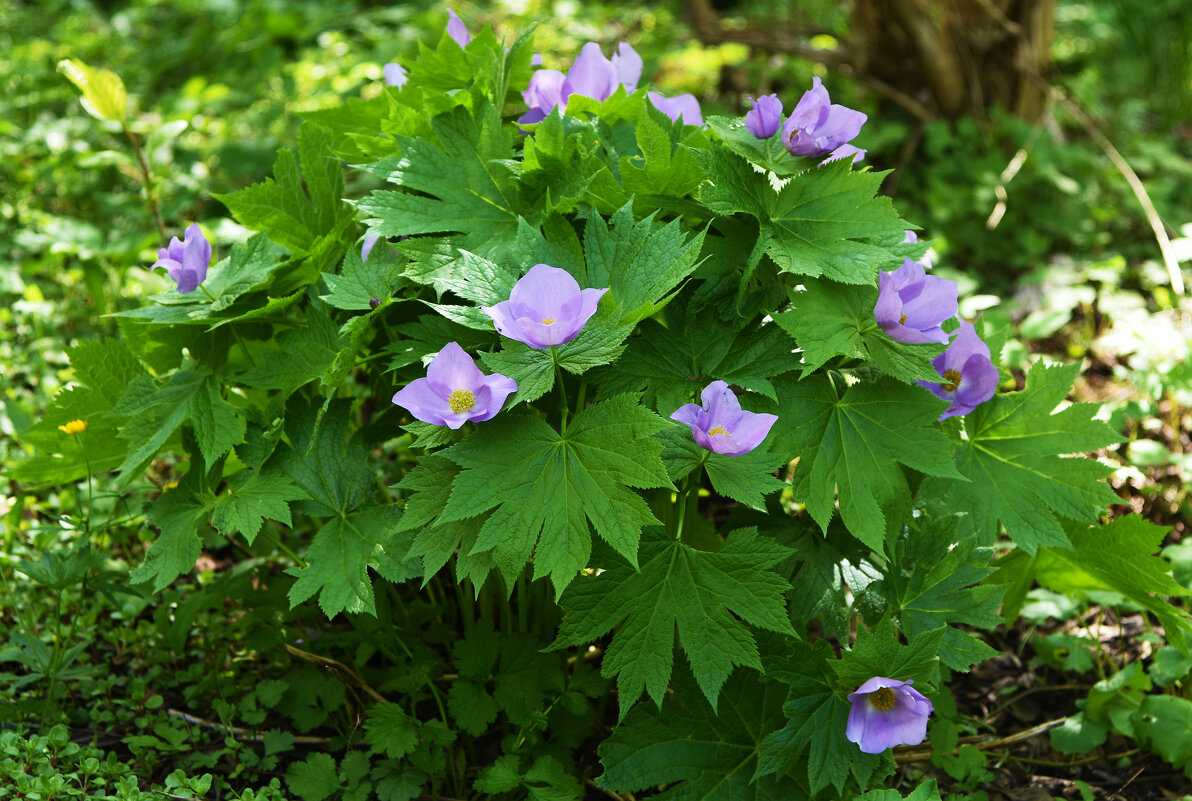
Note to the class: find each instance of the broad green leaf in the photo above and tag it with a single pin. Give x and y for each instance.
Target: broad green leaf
(707, 595)
(831, 319)
(245, 503)
(641, 262)
(455, 185)
(826, 221)
(180, 516)
(545, 487)
(313, 779)
(321, 458)
(1162, 726)
(359, 283)
(341, 554)
(436, 262)
(711, 753)
(770, 154)
(850, 443)
(878, 652)
(296, 206)
(471, 706)
(390, 730)
(104, 95)
(664, 166)
(747, 478)
(303, 354)
(557, 167)
(927, 791)
(1016, 475)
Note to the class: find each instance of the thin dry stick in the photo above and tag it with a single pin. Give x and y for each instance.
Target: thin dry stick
(244, 735)
(609, 793)
(981, 741)
(331, 663)
(1136, 185)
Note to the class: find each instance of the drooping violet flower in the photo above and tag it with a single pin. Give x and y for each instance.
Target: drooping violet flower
(592, 75)
(911, 305)
(546, 307)
(455, 391)
(394, 74)
(970, 377)
(457, 30)
(721, 425)
(366, 248)
(764, 120)
(817, 127)
(683, 106)
(886, 713)
(186, 262)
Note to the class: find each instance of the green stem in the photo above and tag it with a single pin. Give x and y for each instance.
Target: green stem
(147, 180)
(298, 560)
(579, 401)
(523, 600)
(243, 347)
(563, 410)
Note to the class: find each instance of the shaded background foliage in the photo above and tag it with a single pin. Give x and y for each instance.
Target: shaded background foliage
(1071, 263)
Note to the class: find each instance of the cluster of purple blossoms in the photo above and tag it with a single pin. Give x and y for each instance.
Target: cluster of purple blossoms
(186, 262)
(545, 308)
(885, 713)
(595, 76)
(816, 127)
(720, 425)
(912, 307)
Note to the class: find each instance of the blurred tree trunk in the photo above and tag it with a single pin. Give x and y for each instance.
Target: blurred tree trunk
(937, 58)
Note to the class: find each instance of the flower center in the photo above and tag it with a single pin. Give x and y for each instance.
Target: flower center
(717, 430)
(460, 400)
(74, 427)
(548, 320)
(902, 320)
(882, 699)
(953, 378)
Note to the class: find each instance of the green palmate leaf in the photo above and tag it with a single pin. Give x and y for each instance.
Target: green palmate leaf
(850, 444)
(296, 206)
(664, 166)
(641, 262)
(456, 185)
(676, 584)
(557, 167)
(711, 753)
(471, 706)
(302, 355)
(359, 282)
(314, 779)
(927, 791)
(769, 154)
(600, 342)
(830, 319)
(747, 478)
(322, 459)
(546, 779)
(430, 481)
(180, 515)
(1119, 557)
(249, 498)
(877, 652)
(826, 221)
(341, 554)
(155, 413)
(391, 731)
(673, 364)
(545, 487)
(437, 263)
(1015, 473)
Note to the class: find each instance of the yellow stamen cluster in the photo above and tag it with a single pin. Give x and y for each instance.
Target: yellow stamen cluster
(902, 320)
(74, 427)
(717, 430)
(882, 699)
(461, 400)
(953, 379)
(548, 320)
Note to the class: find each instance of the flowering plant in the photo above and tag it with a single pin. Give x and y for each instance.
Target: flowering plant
(721, 454)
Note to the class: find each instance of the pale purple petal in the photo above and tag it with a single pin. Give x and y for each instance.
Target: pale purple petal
(394, 74)
(491, 395)
(680, 107)
(722, 405)
(911, 236)
(544, 92)
(592, 75)
(936, 302)
(720, 425)
(764, 120)
(457, 30)
(818, 128)
(536, 60)
(688, 414)
(589, 300)
(844, 151)
(366, 248)
(504, 320)
(970, 375)
(452, 369)
(978, 383)
(628, 66)
(546, 292)
(874, 730)
(911, 305)
(186, 262)
(424, 403)
(750, 431)
(840, 125)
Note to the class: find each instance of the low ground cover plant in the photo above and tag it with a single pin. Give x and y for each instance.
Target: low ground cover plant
(622, 449)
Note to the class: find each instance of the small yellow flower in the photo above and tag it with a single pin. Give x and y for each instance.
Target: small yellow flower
(74, 427)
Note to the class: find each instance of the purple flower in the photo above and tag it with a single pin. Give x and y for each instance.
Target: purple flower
(970, 378)
(818, 127)
(457, 30)
(683, 106)
(592, 75)
(911, 236)
(886, 713)
(366, 248)
(394, 74)
(546, 307)
(721, 425)
(186, 262)
(455, 391)
(766, 117)
(911, 304)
